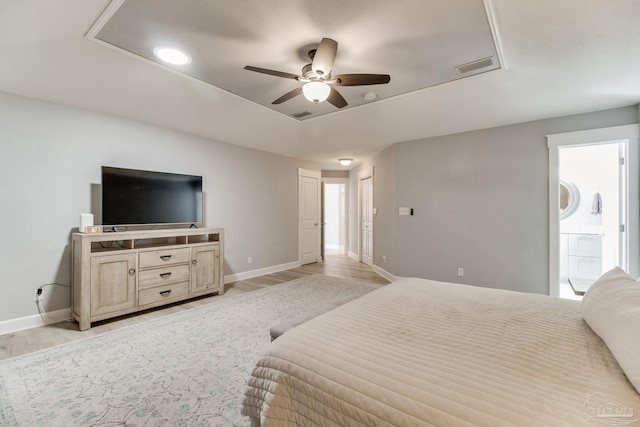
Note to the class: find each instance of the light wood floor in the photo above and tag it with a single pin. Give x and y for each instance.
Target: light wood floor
(22, 342)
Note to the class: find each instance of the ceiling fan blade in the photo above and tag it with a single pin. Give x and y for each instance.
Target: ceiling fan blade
(361, 79)
(336, 99)
(287, 96)
(272, 72)
(324, 57)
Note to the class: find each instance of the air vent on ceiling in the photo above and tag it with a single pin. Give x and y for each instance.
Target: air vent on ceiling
(301, 114)
(475, 65)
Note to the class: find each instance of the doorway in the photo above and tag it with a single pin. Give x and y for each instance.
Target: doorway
(335, 216)
(593, 202)
(590, 232)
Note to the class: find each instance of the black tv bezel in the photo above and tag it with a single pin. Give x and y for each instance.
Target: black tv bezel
(156, 174)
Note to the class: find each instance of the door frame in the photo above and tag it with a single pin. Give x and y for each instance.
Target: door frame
(362, 175)
(629, 133)
(315, 175)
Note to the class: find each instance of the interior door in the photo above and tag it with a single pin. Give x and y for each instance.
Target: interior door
(309, 212)
(367, 220)
(323, 221)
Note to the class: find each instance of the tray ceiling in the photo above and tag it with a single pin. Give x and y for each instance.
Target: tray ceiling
(420, 43)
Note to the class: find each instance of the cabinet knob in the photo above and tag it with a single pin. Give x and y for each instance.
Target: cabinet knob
(132, 271)
(194, 262)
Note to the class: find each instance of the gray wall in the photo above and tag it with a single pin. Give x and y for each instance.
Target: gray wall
(50, 157)
(480, 202)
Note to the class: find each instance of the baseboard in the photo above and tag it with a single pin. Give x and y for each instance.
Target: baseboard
(260, 272)
(14, 325)
(28, 322)
(353, 255)
(384, 273)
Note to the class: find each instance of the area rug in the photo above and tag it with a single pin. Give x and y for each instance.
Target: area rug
(184, 369)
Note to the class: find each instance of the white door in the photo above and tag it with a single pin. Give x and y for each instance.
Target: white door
(309, 213)
(367, 220)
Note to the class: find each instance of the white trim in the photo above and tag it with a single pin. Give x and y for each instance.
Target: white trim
(495, 32)
(260, 272)
(384, 273)
(34, 321)
(353, 255)
(310, 173)
(593, 136)
(554, 142)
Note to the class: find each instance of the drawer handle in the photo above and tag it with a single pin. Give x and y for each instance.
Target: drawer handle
(132, 271)
(165, 293)
(166, 257)
(165, 275)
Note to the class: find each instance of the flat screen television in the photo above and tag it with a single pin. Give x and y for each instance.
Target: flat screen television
(138, 197)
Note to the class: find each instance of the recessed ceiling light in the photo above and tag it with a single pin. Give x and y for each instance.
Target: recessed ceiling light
(370, 96)
(171, 55)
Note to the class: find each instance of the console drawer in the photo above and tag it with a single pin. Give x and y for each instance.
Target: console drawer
(163, 293)
(164, 257)
(162, 276)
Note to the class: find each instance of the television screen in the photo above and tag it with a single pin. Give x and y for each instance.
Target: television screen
(137, 197)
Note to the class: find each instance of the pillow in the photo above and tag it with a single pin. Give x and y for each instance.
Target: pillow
(611, 307)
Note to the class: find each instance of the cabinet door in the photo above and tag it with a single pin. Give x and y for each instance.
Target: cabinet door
(205, 264)
(113, 283)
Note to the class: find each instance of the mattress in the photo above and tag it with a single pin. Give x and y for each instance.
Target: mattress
(425, 353)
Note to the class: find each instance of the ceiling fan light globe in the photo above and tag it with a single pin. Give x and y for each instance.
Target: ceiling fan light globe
(316, 91)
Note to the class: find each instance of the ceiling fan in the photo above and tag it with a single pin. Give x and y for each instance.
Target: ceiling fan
(318, 80)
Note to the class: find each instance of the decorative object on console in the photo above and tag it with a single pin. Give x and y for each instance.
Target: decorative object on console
(94, 229)
(86, 220)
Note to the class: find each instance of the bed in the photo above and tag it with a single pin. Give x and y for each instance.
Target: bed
(423, 353)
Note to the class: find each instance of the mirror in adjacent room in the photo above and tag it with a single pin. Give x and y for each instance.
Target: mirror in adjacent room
(569, 198)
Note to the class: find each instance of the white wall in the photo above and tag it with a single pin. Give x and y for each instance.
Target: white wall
(50, 156)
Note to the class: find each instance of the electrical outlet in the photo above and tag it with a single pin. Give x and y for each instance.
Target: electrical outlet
(249, 260)
(384, 259)
(460, 271)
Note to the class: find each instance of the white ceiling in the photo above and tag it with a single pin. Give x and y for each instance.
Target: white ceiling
(558, 57)
(422, 52)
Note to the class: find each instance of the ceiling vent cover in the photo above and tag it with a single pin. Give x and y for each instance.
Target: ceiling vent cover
(301, 114)
(475, 65)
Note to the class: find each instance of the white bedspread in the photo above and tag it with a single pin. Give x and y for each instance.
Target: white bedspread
(424, 353)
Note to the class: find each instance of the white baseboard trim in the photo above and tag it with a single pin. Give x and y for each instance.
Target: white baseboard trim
(260, 272)
(28, 322)
(353, 255)
(384, 273)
